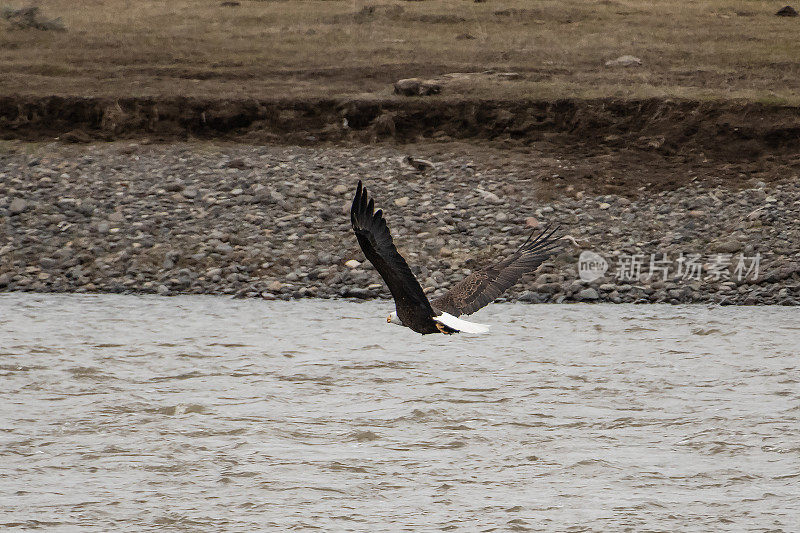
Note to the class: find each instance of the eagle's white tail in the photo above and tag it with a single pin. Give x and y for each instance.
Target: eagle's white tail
(461, 325)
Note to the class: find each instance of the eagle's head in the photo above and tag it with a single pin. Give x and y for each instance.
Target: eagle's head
(393, 319)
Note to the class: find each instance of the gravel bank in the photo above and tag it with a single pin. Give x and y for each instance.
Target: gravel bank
(272, 222)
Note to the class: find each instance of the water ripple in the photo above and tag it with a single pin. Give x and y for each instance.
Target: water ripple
(203, 413)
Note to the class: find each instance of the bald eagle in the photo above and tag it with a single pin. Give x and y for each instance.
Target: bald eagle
(413, 310)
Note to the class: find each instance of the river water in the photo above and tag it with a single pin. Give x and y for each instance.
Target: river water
(211, 414)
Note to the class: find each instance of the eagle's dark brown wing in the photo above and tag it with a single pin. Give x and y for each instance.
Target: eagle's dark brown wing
(483, 286)
(376, 242)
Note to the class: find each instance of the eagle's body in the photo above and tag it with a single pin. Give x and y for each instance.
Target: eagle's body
(480, 288)
(420, 320)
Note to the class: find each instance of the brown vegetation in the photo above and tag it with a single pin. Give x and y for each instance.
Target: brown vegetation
(710, 49)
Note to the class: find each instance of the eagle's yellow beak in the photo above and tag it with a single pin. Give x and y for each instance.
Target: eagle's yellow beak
(389, 319)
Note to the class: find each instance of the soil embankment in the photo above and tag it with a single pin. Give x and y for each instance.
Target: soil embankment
(721, 130)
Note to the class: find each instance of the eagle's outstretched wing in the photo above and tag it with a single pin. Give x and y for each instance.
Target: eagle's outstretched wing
(484, 286)
(376, 242)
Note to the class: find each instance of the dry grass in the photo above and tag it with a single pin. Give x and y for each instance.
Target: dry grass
(721, 49)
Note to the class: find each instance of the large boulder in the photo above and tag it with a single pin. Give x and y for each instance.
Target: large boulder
(624, 61)
(416, 87)
(29, 17)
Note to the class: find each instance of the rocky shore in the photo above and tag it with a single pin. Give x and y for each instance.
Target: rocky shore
(272, 222)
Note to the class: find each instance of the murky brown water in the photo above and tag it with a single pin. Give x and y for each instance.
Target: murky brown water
(211, 414)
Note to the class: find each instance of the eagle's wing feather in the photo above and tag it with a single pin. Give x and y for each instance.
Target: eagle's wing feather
(484, 286)
(376, 242)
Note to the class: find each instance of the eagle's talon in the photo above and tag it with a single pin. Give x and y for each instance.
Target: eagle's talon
(442, 328)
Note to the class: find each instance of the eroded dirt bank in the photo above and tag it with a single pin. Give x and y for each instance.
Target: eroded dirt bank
(721, 130)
